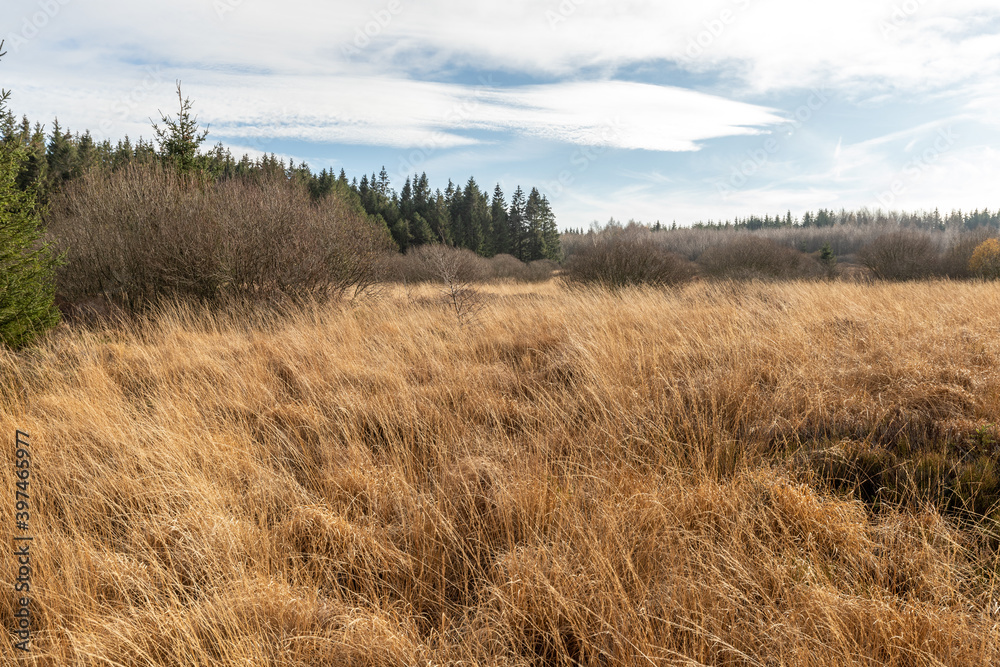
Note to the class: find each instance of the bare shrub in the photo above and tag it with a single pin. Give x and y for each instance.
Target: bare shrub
(458, 270)
(955, 262)
(144, 233)
(506, 267)
(438, 263)
(416, 266)
(626, 256)
(748, 257)
(540, 270)
(902, 255)
(509, 268)
(845, 240)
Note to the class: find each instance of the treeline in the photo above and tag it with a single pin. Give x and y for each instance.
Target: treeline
(922, 220)
(641, 254)
(524, 227)
(463, 217)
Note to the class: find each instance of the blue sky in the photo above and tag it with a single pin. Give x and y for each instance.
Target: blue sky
(663, 111)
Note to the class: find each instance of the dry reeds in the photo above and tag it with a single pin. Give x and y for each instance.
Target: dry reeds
(601, 478)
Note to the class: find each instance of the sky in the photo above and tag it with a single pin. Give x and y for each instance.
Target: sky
(654, 111)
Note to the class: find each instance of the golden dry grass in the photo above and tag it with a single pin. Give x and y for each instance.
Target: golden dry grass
(582, 477)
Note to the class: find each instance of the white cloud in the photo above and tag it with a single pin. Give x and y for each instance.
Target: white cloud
(369, 71)
(397, 112)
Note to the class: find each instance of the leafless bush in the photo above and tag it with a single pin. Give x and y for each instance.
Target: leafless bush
(438, 263)
(626, 256)
(955, 262)
(416, 267)
(540, 270)
(457, 269)
(845, 240)
(902, 255)
(506, 267)
(144, 233)
(748, 256)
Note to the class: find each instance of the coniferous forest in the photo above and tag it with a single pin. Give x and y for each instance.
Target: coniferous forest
(463, 216)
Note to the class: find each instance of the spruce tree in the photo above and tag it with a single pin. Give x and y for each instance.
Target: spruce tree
(27, 267)
(61, 155)
(475, 218)
(499, 223)
(550, 232)
(517, 230)
(534, 239)
(180, 139)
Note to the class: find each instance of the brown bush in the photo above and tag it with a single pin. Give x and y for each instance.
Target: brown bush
(507, 267)
(748, 257)
(955, 262)
(145, 233)
(901, 256)
(422, 264)
(626, 256)
(437, 263)
(540, 270)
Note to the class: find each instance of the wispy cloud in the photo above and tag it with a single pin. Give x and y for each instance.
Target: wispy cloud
(672, 94)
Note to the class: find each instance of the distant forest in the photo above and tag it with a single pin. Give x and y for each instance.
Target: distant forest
(930, 221)
(461, 216)
(464, 217)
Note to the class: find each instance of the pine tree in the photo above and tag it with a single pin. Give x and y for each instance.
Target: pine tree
(475, 219)
(27, 266)
(383, 183)
(60, 155)
(180, 139)
(439, 221)
(534, 239)
(550, 232)
(499, 222)
(35, 166)
(516, 224)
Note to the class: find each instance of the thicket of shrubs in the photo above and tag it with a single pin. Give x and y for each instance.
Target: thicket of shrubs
(146, 232)
(901, 256)
(748, 256)
(634, 254)
(627, 256)
(433, 263)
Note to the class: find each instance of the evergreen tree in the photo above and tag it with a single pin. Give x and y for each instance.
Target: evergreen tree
(34, 166)
(499, 222)
(383, 183)
(180, 139)
(475, 219)
(550, 232)
(60, 155)
(86, 154)
(27, 266)
(516, 224)
(534, 238)
(439, 221)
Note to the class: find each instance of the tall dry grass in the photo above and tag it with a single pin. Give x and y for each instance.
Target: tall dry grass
(584, 478)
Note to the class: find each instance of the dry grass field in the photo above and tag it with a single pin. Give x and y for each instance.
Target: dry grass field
(722, 474)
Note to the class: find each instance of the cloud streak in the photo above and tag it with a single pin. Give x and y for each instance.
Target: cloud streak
(681, 91)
